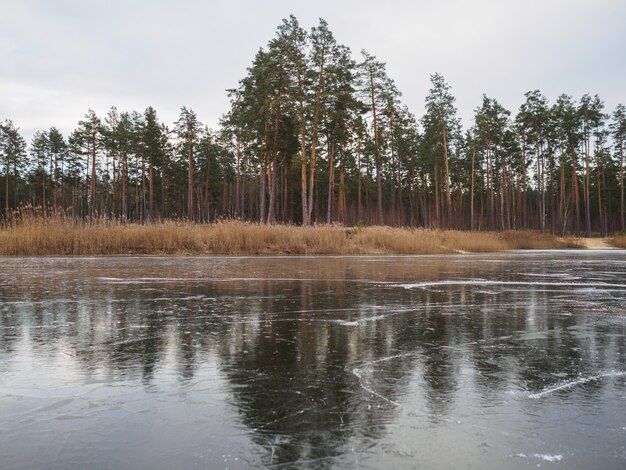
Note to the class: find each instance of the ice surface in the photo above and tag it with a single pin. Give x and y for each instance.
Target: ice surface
(481, 361)
(576, 382)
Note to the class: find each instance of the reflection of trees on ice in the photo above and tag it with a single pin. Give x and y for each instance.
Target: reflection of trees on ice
(317, 362)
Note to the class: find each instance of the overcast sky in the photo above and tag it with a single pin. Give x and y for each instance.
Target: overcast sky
(60, 57)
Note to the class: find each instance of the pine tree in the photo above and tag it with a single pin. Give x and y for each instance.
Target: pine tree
(89, 134)
(618, 128)
(377, 88)
(187, 130)
(58, 151)
(568, 135)
(39, 152)
(492, 126)
(440, 125)
(291, 41)
(153, 139)
(341, 111)
(532, 120)
(13, 152)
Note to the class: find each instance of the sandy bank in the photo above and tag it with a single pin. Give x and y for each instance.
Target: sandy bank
(598, 243)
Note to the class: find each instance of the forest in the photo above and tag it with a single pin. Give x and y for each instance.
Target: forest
(316, 135)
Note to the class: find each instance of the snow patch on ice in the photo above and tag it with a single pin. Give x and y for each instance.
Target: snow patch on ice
(546, 457)
(549, 458)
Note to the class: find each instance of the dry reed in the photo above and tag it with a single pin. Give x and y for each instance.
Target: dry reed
(529, 240)
(619, 241)
(41, 236)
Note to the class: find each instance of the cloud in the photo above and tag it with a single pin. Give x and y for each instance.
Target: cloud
(61, 58)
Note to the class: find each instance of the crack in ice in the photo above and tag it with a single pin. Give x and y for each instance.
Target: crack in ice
(575, 383)
(484, 282)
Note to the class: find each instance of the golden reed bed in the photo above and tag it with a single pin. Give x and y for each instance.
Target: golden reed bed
(619, 241)
(61, 236)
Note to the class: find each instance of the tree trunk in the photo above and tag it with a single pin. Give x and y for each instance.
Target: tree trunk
(115, 189)
(586, 187)
(243, 187)
(151, 189)
(472, 188)
(359, 190)
(43, 191)
(271, 216)
(575, 193)
(305, 211)
(237, 180)
(190, 209)
(318, 99)
(492, 220)
(540, 186)
(342, 193)
(262, 181)
(524, 192)
(621, 179)
(436, 176)
(562, 193)
(143, 188)
(331, 182)
(125, 186)
(447, 182)
(411, 196)
(136, 214)
(92, 205)
(379, 176)
(6, 188)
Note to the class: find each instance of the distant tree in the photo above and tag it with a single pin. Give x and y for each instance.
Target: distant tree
(341, 111)
(291, 40)
(590, 114)
(13, 152)
(89, 133)
(565, 115)
(440, 123)
(154, 139)
(378, 88)
(492, 126)
(57, 150)
(311, 135)
(532, 120)
(618, 128)
(124, 133)
(323, 50)
(39, 153)
(110, 144)
(187, 130)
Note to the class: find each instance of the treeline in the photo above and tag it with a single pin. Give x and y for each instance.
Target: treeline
(314, 135)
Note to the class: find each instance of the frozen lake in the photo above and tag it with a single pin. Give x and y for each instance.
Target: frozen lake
(514, 360)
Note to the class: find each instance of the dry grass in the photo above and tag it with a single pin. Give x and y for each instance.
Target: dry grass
(529, 240)
(400, 241)
(37, 236)
(619, 241)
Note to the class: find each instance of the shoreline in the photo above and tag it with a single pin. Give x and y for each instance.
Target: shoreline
(600, 243)
(65, 237)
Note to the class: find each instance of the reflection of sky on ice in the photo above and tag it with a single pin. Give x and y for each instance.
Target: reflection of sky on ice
(500, 361)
